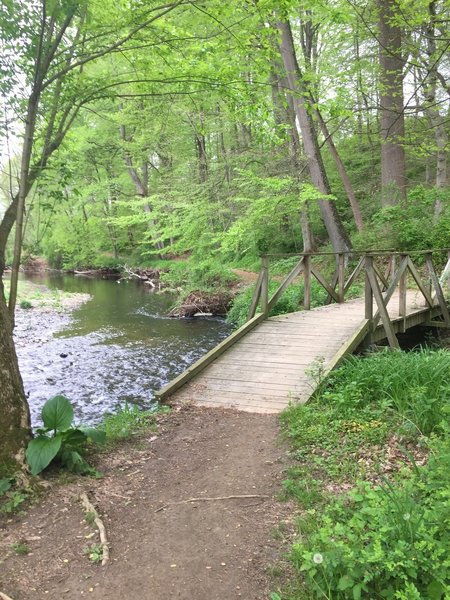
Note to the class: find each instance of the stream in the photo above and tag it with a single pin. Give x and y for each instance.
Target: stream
(119, 347)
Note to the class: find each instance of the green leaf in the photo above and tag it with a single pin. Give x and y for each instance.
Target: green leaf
(96, 435)
(357, 592)
(57, 413)
(5, 485)
(74, 437)
(41, 451)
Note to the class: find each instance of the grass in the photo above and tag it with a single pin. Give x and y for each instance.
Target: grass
(31, 295)
(371, 479)
(131, 421)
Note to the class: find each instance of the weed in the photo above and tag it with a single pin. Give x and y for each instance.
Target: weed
(95, 553)
(20, 548)
(130, 420)
(25, 304)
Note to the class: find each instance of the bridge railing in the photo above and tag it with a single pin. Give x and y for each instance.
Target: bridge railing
(382, 272)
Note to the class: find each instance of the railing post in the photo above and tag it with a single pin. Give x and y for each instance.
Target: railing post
(307, 282)
(393, 267)
(341, 277)
(368, 298)
(265, 285)
(402, 290)
(368, 292)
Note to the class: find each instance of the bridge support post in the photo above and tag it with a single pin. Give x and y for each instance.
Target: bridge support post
(265, 285)
(307, 282)
(368, 300)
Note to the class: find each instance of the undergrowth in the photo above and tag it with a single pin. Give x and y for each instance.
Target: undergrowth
(372, 481)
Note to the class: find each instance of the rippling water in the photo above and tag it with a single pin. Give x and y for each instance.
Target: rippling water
(118, 347)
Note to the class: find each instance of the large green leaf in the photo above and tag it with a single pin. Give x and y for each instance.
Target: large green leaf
(5, 485)
(57, 413)
(41, 451)
(96, 435)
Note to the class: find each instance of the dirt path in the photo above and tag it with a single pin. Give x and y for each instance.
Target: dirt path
(202, 550)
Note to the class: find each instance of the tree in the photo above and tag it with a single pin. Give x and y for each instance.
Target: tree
(392, 121)
(47, 46)
(338, 237)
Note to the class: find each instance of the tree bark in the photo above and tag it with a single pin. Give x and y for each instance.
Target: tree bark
(338, 237)
(392, 123)
(15, 428)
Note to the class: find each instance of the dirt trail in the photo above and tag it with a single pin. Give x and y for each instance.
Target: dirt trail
(202, 550)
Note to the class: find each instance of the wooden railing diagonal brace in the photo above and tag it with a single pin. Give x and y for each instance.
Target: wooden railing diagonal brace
(321, 279)
(390, 334)
(392, 287)
(420, 283)
(289, 279)
(255, 298)
(438, 290)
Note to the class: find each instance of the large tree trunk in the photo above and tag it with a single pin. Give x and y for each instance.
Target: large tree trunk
(392, 123)
(437, 122)
(338, 237)
(15, 430)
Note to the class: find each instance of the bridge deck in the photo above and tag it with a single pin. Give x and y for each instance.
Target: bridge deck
(275, 361)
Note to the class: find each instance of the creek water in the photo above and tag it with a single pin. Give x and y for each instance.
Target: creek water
(119, 347)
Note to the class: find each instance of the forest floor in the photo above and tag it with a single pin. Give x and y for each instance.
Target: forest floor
(191, 512)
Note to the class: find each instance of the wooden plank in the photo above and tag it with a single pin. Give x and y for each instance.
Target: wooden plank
(398, 276)
(341, 275)
(242, 387)
(200, 364)
(259, 399)
(347, 348)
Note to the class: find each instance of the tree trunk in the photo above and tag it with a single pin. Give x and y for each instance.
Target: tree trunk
(342, 173)
(15, 429)
(338, 237)
(437, 122)
(392, 123)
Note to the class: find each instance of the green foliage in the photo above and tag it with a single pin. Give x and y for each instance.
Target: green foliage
(59, 440)
(407, 225)
(384, 541)
(198, 274)
(20, 548)
(95, 553)
(414, 384)
(383, 538)
(25, 304)
(129, 421)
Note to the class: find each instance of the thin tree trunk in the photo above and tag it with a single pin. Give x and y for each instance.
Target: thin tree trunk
(342, 173)
(338, 237)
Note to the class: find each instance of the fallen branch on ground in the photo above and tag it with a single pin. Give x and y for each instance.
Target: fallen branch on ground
(90, 508)
(4, 596)
(204, 499)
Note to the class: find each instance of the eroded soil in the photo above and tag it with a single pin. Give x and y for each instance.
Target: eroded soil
(163, 545)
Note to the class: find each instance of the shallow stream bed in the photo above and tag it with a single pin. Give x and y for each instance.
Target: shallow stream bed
(119, 346)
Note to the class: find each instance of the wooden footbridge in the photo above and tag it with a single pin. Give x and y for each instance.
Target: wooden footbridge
(271, 361)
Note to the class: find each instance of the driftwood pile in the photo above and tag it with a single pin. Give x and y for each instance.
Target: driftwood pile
(203, 304)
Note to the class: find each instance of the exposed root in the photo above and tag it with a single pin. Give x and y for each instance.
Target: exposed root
(90, 508)
(209, 500)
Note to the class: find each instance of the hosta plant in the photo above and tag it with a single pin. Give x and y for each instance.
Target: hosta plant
(59, 440)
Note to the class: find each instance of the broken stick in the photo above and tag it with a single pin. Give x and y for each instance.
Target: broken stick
(90, 508)
(205, 499)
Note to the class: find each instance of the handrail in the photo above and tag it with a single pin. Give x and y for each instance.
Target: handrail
(353, 252)
(379, 286)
